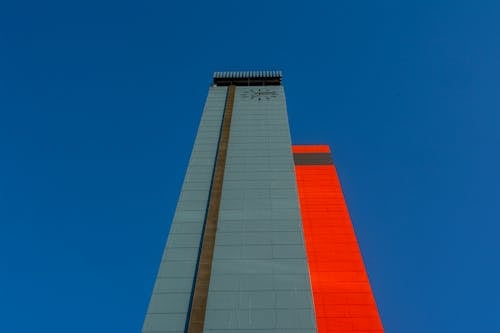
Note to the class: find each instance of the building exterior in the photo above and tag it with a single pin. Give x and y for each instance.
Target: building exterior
(261, 240)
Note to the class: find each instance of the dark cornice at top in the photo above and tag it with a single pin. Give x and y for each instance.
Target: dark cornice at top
(248, 78)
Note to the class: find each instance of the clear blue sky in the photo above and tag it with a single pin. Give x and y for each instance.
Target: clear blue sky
(99, 105)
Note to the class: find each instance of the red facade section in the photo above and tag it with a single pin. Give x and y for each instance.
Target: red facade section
(342, 295)
(310, 149)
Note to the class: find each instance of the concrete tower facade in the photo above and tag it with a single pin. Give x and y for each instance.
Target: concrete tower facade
(261, 240)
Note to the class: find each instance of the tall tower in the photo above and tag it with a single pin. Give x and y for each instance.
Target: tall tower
(261, 240)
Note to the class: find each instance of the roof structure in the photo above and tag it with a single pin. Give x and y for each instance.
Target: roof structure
(248, 78)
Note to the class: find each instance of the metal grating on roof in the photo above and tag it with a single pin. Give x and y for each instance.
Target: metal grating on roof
(248, 78)
(247, 74)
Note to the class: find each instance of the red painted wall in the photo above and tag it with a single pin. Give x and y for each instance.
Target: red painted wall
(342, 295)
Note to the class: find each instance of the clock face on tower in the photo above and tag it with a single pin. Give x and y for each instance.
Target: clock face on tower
(259, 94)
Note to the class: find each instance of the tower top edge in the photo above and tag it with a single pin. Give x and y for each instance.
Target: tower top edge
(248, 78)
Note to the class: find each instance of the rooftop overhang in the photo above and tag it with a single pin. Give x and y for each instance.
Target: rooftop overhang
(248, 78)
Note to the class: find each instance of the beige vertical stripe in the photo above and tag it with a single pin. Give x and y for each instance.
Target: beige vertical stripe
(199, 302)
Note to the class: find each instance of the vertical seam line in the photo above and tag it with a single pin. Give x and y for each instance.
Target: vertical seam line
(196, 319)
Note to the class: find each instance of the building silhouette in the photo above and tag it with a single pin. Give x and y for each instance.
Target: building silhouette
(261, 240)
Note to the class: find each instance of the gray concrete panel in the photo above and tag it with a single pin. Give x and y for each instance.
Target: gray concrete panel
(164, 322)
(274, 330)
(169, 304)
(259, 280)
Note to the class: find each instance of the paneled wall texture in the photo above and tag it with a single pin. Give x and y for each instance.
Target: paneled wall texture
(261, 239)
(343, 299)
